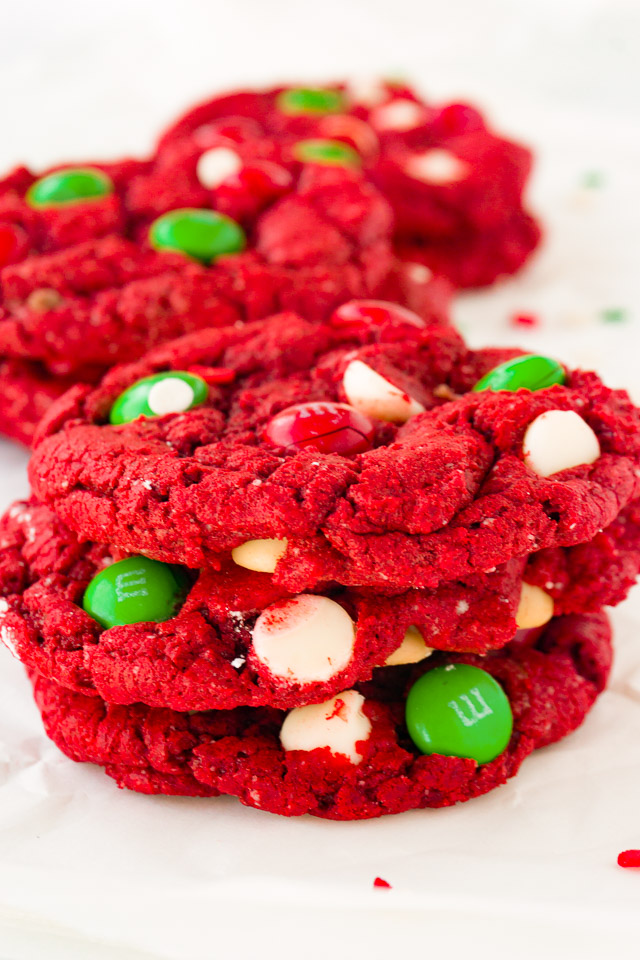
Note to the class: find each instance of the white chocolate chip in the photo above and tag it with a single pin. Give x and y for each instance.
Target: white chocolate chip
(366, 91)
(558, 440)
(535, 607)
(217, 165)
(436, 166)
(374, 396)
(338, 724)
(398, 115)
(259, 555)
(306, 639)
(170, 395)
(411, 650)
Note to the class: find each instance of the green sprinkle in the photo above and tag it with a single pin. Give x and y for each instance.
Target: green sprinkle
(593, 180)
(614, 315)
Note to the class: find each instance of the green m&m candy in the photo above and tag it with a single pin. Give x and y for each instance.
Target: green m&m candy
(172, 392)
(135, 590)
(331, 153)
(201, 234)
(69, 186)
(531, 372)
(311, 100)
(459, 711)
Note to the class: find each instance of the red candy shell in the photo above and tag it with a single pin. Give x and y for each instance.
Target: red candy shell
(362, 314)
(12, 243)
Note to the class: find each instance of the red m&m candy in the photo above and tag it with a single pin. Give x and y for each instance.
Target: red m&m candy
(251, 188)
(12, 243)
(322, 426)
(361, 315)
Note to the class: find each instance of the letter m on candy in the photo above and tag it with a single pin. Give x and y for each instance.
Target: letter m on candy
(469, 712)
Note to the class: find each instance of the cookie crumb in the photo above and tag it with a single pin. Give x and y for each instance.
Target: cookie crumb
(42, 300)
(629, 858)
(379, 882)
(444, 392)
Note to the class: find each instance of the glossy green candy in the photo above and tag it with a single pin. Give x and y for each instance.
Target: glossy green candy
(172, 392)
(135, 590)
(69, 186)
(531, 372)
(332, 153)
(310, 100)
(459, 711)
(201, 234)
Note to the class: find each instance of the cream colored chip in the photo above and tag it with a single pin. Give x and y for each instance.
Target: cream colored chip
(535, 607)
(559, 440)
(411, 650)
(171, 395)
(217, 165)
(436, 166)
(339, 724)
(366, 91)
(259, 555)
(306, 639)
(398, 115)
(371, 394)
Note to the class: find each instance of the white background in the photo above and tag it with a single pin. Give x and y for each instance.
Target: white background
(87, 871)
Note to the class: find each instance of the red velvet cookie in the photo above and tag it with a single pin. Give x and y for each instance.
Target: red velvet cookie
(550, 688)
(477, 479)
(81, 308)
(455, 187)
(216, 650)
(84, 284)
(207, 655)
(213, 653)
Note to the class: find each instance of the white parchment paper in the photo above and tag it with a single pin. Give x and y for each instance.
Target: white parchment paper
(88, 871)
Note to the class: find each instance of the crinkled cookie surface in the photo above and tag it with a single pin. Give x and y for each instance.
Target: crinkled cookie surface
(447, 495)
(454, 185)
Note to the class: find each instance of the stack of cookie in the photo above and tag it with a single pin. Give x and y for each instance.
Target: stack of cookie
(290, 199)
(346, 568)
(301, 545)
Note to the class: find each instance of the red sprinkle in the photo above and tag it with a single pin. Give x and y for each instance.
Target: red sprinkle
(524, 320)
(337, 710)
(379, 882)
(629, 858)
